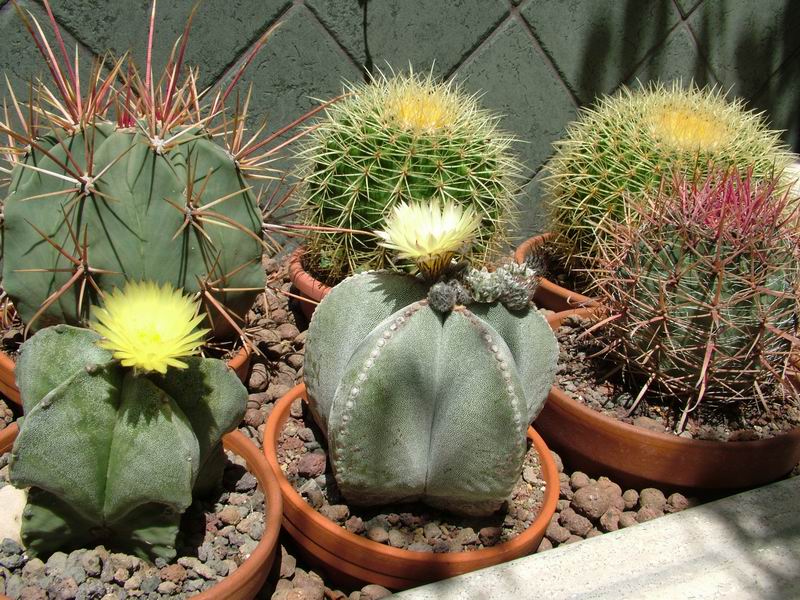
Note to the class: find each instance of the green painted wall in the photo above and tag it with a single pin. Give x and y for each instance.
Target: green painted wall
(536, 61)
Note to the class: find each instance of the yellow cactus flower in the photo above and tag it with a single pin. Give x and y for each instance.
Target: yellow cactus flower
(430, 234)
(148, 327)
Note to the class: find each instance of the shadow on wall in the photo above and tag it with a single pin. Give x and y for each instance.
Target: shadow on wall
(749, 49)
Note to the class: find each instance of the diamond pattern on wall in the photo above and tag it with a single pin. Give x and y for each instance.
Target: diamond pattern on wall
(598, 43)
(534, 59)
(425, 34)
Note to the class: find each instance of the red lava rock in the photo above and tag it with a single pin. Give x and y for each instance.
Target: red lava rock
(561, 505)
(230, 515)
(288, 564)
(565, 491)
(572, 539)
(311, 465)
(649, 424)
(627, 519)
(374, 592)
(174, 573)
(354, 525)
(253, 417)
(276, 391)
(259, 379)
(592, 501)
(556, 533)
(677, 502)
(577, 524)
(489, 536)
(310, 584)
(545, 544)
(610, 520)
(335, 512)
(593, 533)
(609, 485)
(652, 498)
(558, 461)
(287, 331)
(631, 498)
(578, 480)
(648, 513)
(297, 409)
(378, 534)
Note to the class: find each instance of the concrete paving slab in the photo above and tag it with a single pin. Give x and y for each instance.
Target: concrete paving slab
(745, 546)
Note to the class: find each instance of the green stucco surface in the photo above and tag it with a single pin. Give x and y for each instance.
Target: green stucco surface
(536, 61)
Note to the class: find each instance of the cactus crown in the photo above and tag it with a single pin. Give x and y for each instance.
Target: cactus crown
(129, 176)
(702, 288)
(625, 145)
(400, 139)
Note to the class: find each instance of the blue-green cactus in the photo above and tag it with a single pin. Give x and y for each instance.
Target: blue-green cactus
(111, 456)
(420, 405)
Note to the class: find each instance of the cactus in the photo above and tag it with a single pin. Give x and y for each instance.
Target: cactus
(419, 405)
(113, 454)
(625, 145)
(404, 138)
(97, 198)
(702, 293)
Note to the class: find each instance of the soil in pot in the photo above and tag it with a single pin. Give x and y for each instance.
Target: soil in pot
(217, 536)
(586, 380)
(410, 526)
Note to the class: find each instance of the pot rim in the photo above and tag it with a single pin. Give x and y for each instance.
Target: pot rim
(278, 417)
(653, 438)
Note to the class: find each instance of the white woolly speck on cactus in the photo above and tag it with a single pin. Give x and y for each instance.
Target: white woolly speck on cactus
(430, 234)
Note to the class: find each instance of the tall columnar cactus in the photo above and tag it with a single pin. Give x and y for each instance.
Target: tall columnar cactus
(625, 145)
(703, 293)
(114, 454)
(420, 405)
(403, 138)
(130, 179)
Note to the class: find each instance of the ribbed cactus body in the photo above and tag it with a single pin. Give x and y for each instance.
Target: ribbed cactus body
(402, 139)
(623, 147)
(110, 456)
(418, 405)
(704, 293)
(124, 227)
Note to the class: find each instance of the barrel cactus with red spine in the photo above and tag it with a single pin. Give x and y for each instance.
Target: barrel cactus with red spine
(702, 288)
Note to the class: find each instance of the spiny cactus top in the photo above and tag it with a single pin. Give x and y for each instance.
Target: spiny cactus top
(112, 454)
(625, 145)
(128, 178)
(703, 292)
(401, 138)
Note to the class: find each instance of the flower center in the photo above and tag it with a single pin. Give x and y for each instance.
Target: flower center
(420, 109)
(688, 129)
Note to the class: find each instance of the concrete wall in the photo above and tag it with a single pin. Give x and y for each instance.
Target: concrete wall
(536, 61)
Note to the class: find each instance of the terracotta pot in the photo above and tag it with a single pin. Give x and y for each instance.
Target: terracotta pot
(239, 362)
(548, 294)
(589, 441)
(246, 581)
(309, 288)
(351, 560)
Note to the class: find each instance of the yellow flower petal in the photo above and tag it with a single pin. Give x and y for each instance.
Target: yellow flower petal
(429, 234)
(148, 327)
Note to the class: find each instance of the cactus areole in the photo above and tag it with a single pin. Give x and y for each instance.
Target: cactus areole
(425, 405)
